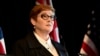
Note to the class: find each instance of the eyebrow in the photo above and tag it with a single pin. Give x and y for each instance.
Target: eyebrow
(47, 14)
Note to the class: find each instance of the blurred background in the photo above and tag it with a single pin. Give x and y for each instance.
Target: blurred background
(72, 17)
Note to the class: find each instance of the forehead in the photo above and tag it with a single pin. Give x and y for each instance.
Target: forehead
(48, 12)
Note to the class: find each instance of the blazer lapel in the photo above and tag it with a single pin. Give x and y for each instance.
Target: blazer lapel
(36, 47)
(60, 49)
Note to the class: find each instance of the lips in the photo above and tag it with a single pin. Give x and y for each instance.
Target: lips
(48, 25)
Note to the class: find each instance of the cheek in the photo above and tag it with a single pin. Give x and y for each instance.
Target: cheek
(41, 23)
(52, 23)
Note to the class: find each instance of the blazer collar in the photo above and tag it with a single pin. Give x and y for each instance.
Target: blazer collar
(34, 43)
(31, 39)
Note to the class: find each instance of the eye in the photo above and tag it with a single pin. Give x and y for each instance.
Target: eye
(43, 16)
(52, 16)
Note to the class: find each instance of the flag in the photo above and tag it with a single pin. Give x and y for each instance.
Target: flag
(55, 33)
(89, 47)
(2, 43)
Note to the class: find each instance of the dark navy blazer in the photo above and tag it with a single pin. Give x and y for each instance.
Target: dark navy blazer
(30, 46)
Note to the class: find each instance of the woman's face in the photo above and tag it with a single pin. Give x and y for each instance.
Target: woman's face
(45, 21)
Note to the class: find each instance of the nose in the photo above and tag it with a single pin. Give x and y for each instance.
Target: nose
(50, 19)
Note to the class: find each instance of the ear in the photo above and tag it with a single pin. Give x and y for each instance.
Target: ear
(32, 21)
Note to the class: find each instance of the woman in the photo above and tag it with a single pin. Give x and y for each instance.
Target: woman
(38, 42)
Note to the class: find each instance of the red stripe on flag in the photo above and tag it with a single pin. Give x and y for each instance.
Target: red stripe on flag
(88, 49)
(48, 2)
(1, 49)
(40, 1)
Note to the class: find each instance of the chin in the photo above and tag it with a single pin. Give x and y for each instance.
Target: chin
(49, 30)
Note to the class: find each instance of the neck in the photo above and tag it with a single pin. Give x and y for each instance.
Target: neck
(43, 35)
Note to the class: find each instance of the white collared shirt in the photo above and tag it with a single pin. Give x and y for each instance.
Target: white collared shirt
(47, 44)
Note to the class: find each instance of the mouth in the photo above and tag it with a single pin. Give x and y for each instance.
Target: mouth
(48, 25)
